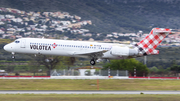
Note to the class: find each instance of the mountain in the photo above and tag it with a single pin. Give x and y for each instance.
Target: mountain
(110, 15)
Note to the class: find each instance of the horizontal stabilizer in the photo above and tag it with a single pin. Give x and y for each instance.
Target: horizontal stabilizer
(152, 52)
(161, 30)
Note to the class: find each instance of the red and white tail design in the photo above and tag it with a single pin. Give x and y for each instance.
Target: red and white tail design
(148, 45)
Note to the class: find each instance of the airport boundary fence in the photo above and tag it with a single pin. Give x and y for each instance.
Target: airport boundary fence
(89, 72)
(83, 72)
(65, 72)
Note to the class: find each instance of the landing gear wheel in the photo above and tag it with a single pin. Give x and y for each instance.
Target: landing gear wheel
(13, 57)
(92, 62)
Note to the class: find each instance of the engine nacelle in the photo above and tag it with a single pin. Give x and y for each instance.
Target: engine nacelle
(123, 51)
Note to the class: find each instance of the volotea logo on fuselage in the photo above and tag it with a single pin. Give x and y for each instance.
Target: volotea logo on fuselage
(41, 46)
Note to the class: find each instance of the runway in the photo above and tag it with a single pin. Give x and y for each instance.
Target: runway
(87, 92)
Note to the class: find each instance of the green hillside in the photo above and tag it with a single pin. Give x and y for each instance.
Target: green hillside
(110, 15)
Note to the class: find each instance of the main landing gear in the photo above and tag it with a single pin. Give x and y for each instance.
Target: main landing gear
(94, 57)
(92, 62)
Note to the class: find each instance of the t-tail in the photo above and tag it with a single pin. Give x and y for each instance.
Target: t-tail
(148, 45)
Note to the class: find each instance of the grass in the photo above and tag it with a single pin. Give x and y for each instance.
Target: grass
(58, 84)
(109, 84)
(88, 97)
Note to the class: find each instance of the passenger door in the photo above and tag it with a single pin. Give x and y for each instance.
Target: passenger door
(23, 43)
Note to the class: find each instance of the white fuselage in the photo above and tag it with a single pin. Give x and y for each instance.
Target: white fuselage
(63, 48)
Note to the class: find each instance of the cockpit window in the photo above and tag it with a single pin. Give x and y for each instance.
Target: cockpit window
(17, 41)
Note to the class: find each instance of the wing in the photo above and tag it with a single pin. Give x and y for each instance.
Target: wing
(91, 54)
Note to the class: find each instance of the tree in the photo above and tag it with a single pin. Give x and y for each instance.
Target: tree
(88, 72)
(154, 69)
(69, 61)
(52, 62)
(39, 22)
(30, 22)
(128, 64)
(49, 62)
(175, 68)
(34, 66)
(21, 33)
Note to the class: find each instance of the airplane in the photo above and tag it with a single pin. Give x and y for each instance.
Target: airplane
(92, 50)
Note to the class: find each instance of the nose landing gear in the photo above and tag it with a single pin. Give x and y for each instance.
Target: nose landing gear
(13, 55)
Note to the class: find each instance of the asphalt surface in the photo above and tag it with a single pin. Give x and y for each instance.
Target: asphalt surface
(88, 92)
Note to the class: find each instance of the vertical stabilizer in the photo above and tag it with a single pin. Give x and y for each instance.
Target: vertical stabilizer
(148, 45)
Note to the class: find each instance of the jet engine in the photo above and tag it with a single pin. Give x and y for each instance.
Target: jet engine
(123, 51)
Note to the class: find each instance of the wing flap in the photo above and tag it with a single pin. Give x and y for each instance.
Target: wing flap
(89, 52)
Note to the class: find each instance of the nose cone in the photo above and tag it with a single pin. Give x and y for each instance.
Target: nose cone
(8, 48)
